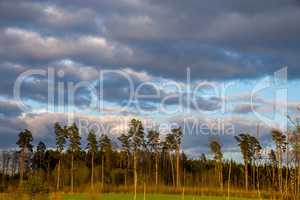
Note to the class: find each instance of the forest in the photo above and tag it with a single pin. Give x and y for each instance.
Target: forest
(146, 162)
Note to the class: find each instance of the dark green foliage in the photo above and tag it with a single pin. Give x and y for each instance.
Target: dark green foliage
(61, 134)
(215, 147)
(136, 134)
(92, 145)
(74, 139)
(25, 139)
(249, 145)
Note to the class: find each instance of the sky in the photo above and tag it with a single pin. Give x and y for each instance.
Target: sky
(215, 68)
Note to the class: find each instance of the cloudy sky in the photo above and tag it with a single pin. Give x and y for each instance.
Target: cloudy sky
(216, 68)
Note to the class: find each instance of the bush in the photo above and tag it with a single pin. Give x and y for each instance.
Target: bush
(36, 184)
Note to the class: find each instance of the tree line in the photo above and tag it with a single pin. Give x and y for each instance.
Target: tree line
(146, 159)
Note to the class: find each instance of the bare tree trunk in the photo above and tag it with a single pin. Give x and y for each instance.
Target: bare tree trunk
(177, 167)
(127, 167)
(273, 173)
(280, 170)
(48, 171)
(258, 182)
(287, 169)
(228, 186)
(58, 175)
(221, 175)
(298, 182)
(92, 175)
(3, 166)
(135, 174)
(21, 167)
(253, 175)
(156, 169)
(172, 169)
(246, 174)
(102, 171)
(14, 164)
(72, 173)
(145, 190)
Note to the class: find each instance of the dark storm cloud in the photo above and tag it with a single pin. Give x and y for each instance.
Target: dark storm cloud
(9, 109)
(47, 18)
(245, 108)
(9, 130)
(8, 74)
(216, 39)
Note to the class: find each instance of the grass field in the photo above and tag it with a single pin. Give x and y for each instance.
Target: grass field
(113, 196)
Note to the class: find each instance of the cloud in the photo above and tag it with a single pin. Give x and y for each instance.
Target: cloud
(233, 41)
(9, 109)
(197, 130)
(9, 130)
(45, 17)
(245, 108)
(31, 47)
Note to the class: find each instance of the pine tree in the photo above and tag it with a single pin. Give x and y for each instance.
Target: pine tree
(74, 148)
(177, 136)
(279, 139)
(215, 147)
(24, 143)
(137, 141)
(105, 150)
(249, 145)
(92, 147)
(170, 146)
(40, 154)
(125, 150)
(60, 138)
(154, 145)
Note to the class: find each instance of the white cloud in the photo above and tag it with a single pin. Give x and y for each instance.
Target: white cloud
(21, 43)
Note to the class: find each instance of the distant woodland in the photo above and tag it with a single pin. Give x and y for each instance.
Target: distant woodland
(146, 162)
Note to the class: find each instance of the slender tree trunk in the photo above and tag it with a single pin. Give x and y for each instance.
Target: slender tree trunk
(127, 167)
(258, 182)
(298, 182)
(58, 175)
(221, 175)
(48, 171)
(21, 167)
(254, 175)
(297, 167)
(92, 175)
(280, 170)
(172, 169)
(273, 173)
(156, 169)
(228, 186)
(246, 174)
(287, 169)
(177, 167)
(135, 174)
(72, 173)
(3, 167)
(145, 190)
(102, 170)
(217, 173)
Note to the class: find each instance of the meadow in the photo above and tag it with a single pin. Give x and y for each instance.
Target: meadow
(113, 196)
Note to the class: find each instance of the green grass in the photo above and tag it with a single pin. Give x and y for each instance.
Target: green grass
(113, 196)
